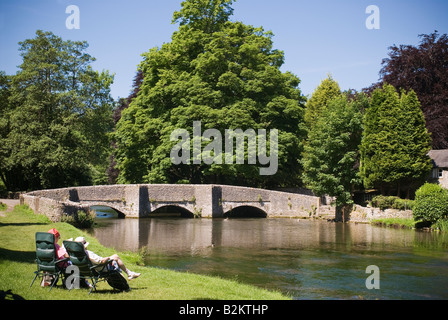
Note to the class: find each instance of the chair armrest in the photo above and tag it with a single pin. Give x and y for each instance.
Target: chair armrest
(107, 262)
(62, 260)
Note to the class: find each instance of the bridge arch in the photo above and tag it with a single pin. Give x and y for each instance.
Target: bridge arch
(107, 211)
(245, 211)
(171, 211)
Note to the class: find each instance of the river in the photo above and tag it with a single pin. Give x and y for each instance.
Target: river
(304, 258)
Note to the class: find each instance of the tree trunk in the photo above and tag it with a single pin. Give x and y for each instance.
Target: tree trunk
(343, 212)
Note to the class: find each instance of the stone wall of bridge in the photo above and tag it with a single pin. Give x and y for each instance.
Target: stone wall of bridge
(139, 201)
(274, 203)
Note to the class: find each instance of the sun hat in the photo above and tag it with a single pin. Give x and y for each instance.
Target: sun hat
(55, 232)
(83, 241)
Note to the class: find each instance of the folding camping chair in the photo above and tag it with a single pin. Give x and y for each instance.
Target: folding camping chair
(46, 258)
(95, 273)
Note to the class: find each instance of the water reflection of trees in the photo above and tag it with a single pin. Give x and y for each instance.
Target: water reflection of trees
(194, 235)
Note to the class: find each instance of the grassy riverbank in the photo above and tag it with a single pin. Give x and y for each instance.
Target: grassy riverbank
(406, 223)
(395, 223)
(17, 266)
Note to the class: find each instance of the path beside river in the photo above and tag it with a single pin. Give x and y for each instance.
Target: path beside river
(11, 203)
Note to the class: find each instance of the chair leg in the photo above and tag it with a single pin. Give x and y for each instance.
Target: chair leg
(37, 273)
(95, 281)
(55, 281)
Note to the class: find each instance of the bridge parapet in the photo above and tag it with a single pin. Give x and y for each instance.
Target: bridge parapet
(137, 201)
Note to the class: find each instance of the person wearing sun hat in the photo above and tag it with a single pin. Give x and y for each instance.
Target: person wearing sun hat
(97, 260)
(60, 251)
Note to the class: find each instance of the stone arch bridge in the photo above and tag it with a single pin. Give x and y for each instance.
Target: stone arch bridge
(139, 201)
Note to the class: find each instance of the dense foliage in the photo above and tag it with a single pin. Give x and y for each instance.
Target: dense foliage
(392, 202)
(324, 93)
(81, 220)
(332, 151)
(431, 203)
(55, 116)
(224, 74)
(395, 143)
(424, 69)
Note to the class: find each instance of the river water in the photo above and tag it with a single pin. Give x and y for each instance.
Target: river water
(303, 258)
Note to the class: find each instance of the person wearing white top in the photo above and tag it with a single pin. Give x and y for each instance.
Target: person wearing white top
(97, 260)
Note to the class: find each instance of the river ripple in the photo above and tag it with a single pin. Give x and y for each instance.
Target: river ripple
(306, 259)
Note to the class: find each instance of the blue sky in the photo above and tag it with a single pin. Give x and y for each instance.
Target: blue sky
(318, 37)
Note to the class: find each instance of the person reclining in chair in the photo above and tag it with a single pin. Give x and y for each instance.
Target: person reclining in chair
(98, 260)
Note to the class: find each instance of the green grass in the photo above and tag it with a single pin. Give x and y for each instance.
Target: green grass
(395, 222)
(3, 206)
(17, 266)
(441, 225)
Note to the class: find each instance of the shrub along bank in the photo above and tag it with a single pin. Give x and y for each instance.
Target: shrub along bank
(429, 209)
(392, 202)
(431, 204)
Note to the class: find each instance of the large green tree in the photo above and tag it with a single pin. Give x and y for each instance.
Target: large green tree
(206, 15)
(424, 69)
(395, 142)
(225, 75)
(5, 83)
(54, 123)
(331, 155)
(324, 93)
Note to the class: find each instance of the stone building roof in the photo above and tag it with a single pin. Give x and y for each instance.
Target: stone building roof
(439, 158)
